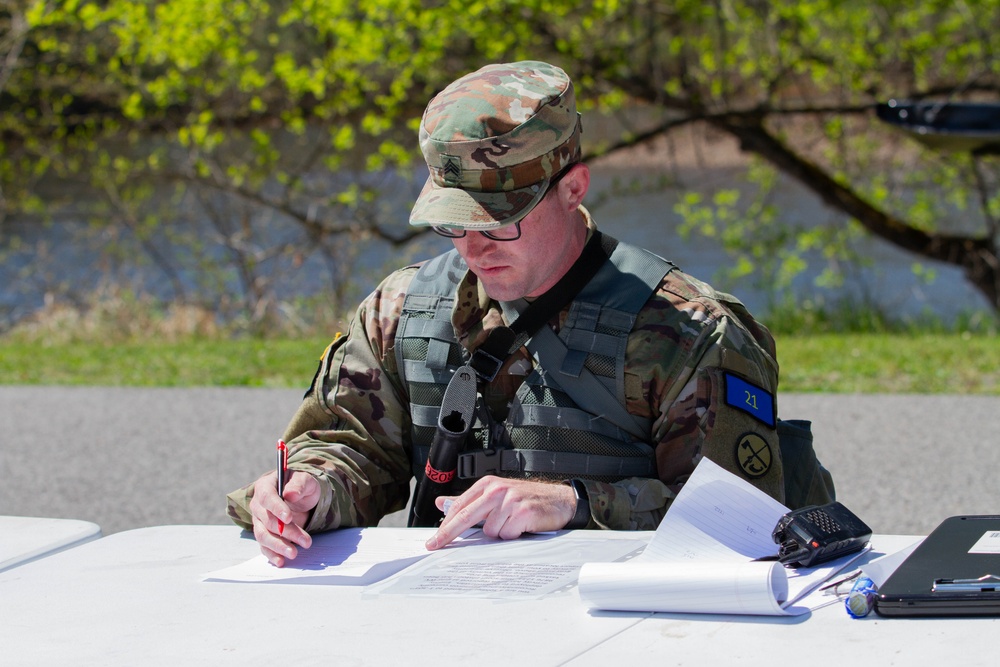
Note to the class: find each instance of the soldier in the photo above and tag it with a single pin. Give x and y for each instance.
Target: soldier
(636, 371)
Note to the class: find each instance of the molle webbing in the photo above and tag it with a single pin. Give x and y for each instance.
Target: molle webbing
(549, 433)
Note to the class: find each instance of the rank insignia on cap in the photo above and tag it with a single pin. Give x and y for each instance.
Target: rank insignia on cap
(753, 455)
(451, 170)
(751, 399)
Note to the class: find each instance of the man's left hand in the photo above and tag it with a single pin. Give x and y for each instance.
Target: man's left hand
(506, 508)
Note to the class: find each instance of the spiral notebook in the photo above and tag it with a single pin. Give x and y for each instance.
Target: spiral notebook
(955, 571)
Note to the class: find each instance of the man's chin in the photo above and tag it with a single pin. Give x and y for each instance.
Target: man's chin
(500, 292)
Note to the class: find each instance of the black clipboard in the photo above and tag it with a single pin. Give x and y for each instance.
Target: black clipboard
(953, 572)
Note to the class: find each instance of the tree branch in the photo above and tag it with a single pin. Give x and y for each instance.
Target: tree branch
(976, 256)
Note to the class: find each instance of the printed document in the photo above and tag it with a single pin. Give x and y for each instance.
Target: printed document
(703, 557)
(391, 561)
(530, 567)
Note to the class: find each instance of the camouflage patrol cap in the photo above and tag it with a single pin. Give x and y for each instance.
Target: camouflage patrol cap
(492, 140)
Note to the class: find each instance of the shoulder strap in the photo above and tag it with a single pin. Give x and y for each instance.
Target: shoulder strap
(504, 341)
(629, 284)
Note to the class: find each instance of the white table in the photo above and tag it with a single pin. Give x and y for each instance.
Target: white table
(137, 598)
(826, 636)
(23, 538)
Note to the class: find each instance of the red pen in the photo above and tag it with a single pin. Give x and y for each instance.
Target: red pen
(282, 476)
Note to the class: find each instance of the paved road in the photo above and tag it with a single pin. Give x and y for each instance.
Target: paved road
(127, 458)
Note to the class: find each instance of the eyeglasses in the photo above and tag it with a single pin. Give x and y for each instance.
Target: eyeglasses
(507, 232)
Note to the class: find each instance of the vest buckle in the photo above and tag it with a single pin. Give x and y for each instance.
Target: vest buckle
(485, 364)
(482, 462)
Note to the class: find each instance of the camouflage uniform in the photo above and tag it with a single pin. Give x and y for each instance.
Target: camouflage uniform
(352, 428)
(696, 364)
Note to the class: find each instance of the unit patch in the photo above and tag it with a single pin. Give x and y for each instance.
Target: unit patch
(751, 399)
(753, 455)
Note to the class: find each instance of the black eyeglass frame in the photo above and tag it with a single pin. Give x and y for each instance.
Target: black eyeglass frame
(450, 233)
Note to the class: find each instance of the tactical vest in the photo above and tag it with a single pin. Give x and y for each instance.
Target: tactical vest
(546, 433)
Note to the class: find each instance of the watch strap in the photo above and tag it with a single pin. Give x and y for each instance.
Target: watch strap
(581, 519)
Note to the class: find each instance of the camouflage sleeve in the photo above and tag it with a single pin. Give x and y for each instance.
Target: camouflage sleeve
(350, 431)
(705, 372)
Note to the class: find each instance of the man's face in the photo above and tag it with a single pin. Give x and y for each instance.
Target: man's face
(552, 236)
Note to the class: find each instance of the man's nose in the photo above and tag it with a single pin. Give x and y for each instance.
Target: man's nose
(475, 243)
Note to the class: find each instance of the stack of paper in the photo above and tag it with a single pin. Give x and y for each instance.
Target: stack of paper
(704, 557)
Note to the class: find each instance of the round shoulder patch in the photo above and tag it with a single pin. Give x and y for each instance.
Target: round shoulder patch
(753, 455)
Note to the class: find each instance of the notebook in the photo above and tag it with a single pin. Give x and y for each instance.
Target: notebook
(955, 571)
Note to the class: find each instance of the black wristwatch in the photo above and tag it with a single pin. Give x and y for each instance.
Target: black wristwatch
(582, 517)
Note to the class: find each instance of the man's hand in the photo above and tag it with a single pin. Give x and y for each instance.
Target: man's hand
(507, 508)
(278, 523)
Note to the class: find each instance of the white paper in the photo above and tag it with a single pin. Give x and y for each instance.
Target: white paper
(716, 517)
(879, 569)
(349, 556)
(702, 558)
(989, 543)
(527, 568)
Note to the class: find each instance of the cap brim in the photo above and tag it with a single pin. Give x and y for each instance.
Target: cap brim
(470, 209)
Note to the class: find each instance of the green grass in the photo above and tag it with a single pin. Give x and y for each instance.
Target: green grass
(243, 362)
(952, 363)
(890, 363)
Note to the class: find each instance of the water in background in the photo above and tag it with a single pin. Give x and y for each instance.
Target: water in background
(74, 262)
(885, 280)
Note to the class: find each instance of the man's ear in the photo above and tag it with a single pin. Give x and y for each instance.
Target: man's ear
(574, 185)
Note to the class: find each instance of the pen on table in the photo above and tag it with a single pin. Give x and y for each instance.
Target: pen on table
(282, 474)
(834, 584)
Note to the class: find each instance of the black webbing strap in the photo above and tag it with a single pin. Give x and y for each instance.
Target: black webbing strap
(481, 462)
(504, 341)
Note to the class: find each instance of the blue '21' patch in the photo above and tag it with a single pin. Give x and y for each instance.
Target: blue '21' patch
(751, 399)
